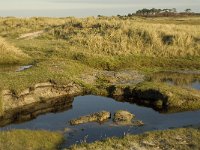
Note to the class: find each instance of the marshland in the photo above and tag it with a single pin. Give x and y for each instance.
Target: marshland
(53, 70)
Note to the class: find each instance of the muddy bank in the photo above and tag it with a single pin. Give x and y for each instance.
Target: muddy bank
(160, 96)
(42, 97)
(31, 111)
(40, 93)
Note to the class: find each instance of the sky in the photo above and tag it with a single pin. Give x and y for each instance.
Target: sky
(84, 8)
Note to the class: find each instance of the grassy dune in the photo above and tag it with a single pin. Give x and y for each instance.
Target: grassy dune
(12, 27)
(10, 54)
(114, 36)
(30, 140)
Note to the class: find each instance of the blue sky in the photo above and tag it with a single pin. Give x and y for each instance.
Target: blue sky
(82, 8)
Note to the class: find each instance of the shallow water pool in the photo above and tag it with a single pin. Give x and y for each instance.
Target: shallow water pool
(84, 105)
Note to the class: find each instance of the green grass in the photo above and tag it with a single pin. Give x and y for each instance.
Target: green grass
(169, 139)
(30, 140)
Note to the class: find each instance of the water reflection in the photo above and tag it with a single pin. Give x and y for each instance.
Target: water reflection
(184, 79)
(84, 105)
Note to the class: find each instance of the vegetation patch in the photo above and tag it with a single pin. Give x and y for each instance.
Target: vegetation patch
(11, 54)
(31, 140)
(172, 97)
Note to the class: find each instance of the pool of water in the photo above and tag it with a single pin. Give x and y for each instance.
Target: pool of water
(195, 84)
(22, 68)
(84, 105)
(184, 79)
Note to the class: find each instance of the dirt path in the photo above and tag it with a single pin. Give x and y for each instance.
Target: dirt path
(30, 35)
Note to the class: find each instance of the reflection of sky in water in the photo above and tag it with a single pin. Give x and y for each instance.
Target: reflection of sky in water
(62, 8)
(194, 84)
(84, 105)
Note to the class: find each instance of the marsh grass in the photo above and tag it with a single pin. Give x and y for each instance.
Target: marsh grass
(125, 37)
(30, 140)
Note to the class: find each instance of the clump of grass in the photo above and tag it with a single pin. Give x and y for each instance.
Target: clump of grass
(30, 140)
(11, 54)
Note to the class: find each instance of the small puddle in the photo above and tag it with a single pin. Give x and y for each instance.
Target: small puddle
(195, 84)
(22, 68)
(184, 79)
(84, 105)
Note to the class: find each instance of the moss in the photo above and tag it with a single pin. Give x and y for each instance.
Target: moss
(169, 139)
(32, 140)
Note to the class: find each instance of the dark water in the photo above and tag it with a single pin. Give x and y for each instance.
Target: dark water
(84, 105)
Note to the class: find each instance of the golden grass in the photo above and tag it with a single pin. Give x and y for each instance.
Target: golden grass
(10, 54)
(114, 36)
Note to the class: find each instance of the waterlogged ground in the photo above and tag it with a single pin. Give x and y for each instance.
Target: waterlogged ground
(194, 84)
(10, 68)
(90, 132)
(186, 79)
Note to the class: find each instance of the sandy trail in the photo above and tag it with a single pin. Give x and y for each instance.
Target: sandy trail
(31, 35)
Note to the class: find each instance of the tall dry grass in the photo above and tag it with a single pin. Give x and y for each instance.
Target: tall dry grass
(114, 36)
(10, 54)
